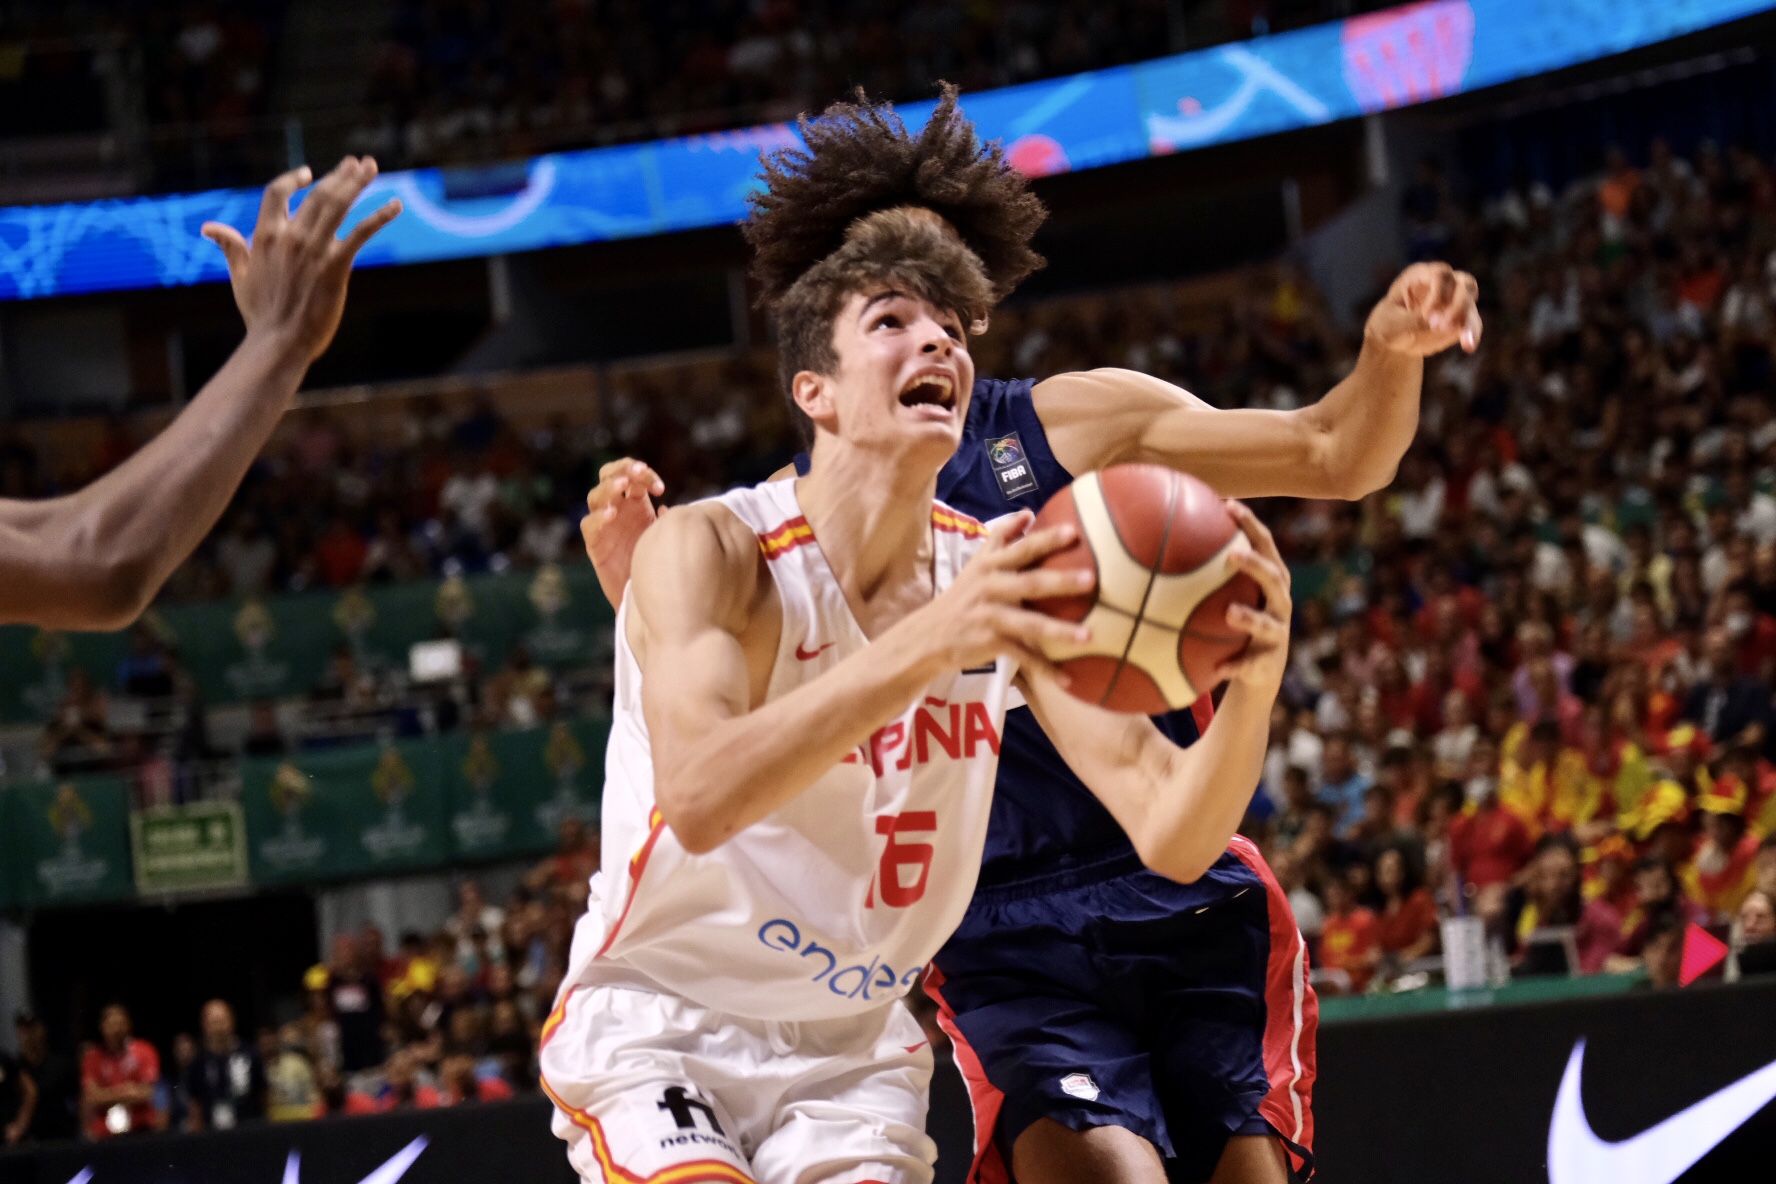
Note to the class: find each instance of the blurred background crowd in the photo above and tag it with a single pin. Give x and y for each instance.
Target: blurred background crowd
(203, 93)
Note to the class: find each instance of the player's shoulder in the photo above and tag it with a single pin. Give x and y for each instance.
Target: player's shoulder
(994, 395)
(701, 541)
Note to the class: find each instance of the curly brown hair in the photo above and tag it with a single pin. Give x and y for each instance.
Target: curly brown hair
(859, 159)
(889, 249)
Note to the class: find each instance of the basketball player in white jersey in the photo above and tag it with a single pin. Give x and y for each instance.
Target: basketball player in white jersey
(811, 681)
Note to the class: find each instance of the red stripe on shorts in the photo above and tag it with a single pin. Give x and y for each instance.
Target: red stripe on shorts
(984, 1098)
(1292, 1016)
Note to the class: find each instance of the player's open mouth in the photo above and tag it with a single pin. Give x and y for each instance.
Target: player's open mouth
(929, 389)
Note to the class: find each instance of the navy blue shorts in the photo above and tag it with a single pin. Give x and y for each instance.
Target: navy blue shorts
(1113, 996)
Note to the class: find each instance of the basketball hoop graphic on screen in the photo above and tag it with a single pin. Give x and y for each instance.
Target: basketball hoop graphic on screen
(1408, 55)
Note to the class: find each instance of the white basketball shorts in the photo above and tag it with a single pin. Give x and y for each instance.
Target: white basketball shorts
(652, 1089)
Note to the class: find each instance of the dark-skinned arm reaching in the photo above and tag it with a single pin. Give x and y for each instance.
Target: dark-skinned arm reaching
(95, 559)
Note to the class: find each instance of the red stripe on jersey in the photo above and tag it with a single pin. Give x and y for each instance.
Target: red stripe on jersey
(553, 1023)
(637, 865)
(780, 540)
(956, 522)
(1292, 1018)
(985, 1099)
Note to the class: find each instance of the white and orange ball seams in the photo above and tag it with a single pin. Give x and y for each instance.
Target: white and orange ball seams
(1159, 541)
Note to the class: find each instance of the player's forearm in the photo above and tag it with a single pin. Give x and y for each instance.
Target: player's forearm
(743, 769)
(1364, 425)
(133, 526)
(1199, 795)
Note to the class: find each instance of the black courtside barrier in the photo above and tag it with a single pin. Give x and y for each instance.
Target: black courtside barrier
(1670, 1088)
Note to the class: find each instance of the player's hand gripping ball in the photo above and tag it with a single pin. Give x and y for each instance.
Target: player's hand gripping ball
(1158, 540)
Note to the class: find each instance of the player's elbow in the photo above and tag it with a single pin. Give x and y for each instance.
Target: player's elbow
(696, 828)
(1175, 857)
(103, 583)
(1352, 483)
(121, 593)
(1343, 469)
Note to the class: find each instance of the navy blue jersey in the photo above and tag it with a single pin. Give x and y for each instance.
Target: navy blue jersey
(1044, 821)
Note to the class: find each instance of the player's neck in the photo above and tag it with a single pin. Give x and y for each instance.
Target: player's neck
(873, 520)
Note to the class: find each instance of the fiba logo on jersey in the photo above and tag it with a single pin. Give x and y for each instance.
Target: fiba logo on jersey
(1007, 456)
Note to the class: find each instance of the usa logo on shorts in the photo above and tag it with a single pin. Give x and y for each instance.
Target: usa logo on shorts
(1006, 455)
(1081, 1086)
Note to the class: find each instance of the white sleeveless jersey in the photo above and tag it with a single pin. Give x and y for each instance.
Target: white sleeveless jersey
(831, 905)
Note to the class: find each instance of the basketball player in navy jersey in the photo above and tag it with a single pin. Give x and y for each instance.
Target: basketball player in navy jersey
(1112, 1025)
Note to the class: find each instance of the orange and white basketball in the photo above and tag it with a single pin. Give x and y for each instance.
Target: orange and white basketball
(1158, 540)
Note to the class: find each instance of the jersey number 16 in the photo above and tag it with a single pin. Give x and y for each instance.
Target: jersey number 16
(898, 854)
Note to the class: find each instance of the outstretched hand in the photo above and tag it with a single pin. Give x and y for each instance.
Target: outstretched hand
(1428, 308)
(290, 281)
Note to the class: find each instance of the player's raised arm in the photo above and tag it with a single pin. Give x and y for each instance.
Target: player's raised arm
(1181, 806)
(720, 764)
(1344, 446)
(95, 559)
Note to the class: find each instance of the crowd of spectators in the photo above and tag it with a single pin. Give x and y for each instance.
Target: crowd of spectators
(1532, 679)
(196, 77)
(469, 80)
(472, 80)
(438, 1019)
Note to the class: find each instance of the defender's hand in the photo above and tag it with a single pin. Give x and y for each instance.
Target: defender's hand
(618, 510)
(290, 282)
(982, 614)
(1427, 309)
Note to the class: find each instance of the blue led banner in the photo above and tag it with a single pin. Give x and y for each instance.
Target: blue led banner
(1253, 88)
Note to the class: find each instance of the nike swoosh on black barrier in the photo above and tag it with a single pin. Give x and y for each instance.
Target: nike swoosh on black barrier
(389, 1173)
(1659, 1154)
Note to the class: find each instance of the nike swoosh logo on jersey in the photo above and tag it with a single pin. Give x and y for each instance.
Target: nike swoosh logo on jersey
(1658, 1155)
(918, 1046)
(808, 655)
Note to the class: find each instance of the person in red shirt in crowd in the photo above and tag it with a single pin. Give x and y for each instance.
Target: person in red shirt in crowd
(117, 1079)
(1487, 844)
(1406, 926)
(1722, 870)
(373, 952)
(1753, 632)
(1609, 887)
(399, 1088)
(458, 1083)
(1350, 940)
(573, 863)
(1657, 894)
(340, 553)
